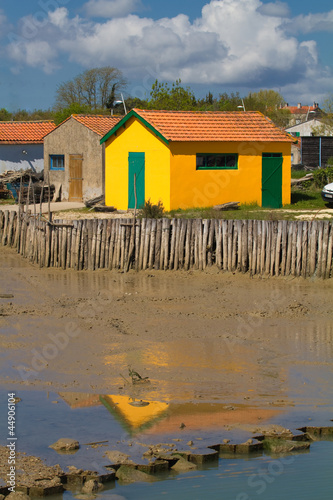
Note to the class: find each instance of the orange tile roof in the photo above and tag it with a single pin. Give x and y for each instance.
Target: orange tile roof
(213, 126)
(25, 132)
(100, 124)
(303, 110)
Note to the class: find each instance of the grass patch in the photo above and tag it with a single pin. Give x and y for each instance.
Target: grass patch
(301, 199)
(7, 201)
(308, 198)
(245, 212)
(298, 174)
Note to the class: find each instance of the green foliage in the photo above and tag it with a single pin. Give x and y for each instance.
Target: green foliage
(150, 211)
(24, 115)
(5, 116)
(133, 102)
(280, 117)
(264, 101)
(269, 102)
(328, 105)
(323, 176)
(229, 102)
(176, 97)
(73, 109)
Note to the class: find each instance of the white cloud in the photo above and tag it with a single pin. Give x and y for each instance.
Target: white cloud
(275, 9)
(59, 17)
(240, 43)
(311, 23)
(111, 8)
(35, 54)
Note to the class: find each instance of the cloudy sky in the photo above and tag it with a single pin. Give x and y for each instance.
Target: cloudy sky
(217, 46)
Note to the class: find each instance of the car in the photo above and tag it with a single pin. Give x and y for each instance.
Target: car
(327, 193)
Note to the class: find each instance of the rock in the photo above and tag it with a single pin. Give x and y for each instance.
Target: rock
(284, 445)
(117, 457)
(190, 443)
(65, 444)
(91, 486)
(182, 425)
(130, 475)
(183, 465)
(18, 495)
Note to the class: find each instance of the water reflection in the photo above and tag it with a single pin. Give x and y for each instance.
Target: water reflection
(151, 417)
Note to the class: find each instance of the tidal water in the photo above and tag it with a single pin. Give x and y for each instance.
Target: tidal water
(44, 417)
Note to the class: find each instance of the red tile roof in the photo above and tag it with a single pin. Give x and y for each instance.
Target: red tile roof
(100, 124)
(25, 132)
(303, 110)
(213, 126)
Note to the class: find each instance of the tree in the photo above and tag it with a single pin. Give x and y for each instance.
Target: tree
(134, 102)
(264, 101)
(326, 126)
(176, 97)
(269, 102)
(229, 102)
(5, 116)
(73, 109)
(95, 88)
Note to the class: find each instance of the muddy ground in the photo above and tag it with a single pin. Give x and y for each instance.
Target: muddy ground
(197, 336)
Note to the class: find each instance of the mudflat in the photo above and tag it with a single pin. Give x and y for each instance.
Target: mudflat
(197, 336)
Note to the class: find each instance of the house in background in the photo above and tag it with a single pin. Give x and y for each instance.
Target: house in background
(196, 159)
(301, 113)
(307, 129)
(21, 145)
(74, 158)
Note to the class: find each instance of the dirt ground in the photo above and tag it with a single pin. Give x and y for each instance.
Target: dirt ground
(197, 336)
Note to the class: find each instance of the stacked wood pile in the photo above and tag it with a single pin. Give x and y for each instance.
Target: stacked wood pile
(25, 186)
(301, 248)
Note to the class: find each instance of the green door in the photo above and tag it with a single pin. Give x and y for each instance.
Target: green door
(272, 180)
(136, 168)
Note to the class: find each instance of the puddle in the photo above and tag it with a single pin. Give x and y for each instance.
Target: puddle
(225, 356)
(126, 424)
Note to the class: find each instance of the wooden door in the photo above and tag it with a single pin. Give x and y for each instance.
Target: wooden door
(272, 180)
(75, 178)
(136, 165)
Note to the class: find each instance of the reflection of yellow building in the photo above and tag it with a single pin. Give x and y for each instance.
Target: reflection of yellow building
(160, 418)
(134, 415)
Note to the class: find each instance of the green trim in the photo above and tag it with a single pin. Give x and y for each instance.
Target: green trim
(217, 167)
(272, 155)
(125, 119)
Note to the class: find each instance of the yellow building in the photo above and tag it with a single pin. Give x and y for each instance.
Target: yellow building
(196, 159)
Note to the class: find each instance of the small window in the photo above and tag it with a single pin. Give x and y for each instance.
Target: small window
(207, 161)
(57, 162)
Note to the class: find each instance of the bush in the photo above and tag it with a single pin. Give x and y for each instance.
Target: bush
(323, 176)
(150, 211)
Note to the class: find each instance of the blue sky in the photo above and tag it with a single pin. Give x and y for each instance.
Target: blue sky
(218, 46)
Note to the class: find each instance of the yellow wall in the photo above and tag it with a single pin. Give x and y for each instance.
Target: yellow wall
(136, 138)
(171, 175)
(204, 188)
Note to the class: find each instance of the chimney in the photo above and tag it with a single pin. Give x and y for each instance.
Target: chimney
(299, 105)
